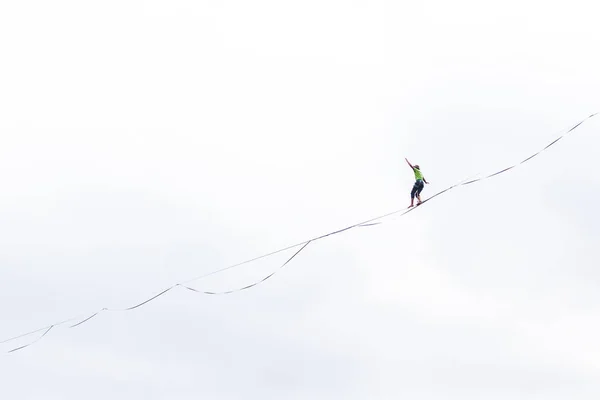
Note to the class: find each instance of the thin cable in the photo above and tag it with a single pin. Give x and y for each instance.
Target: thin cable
(88, 318)
(143, 302)
(34, 342)
(24, 334)
(251, 285)
(535, 154)
(245, 262)
(37, 330)
(369, 222)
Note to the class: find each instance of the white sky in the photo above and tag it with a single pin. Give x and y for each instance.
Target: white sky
(147, 142)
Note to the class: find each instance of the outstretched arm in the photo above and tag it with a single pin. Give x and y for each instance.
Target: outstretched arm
(425, 180)
(409, 164)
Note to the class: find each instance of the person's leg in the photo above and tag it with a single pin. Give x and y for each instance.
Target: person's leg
(420, 185)
(413, 193)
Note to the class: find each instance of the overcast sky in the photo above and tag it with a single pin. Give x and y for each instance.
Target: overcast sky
(148, 142)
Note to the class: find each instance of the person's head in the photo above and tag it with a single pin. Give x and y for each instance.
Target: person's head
(417, 167)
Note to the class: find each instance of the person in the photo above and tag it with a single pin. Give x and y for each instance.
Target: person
(418, 186)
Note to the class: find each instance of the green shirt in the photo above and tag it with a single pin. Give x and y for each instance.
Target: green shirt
(418, 174)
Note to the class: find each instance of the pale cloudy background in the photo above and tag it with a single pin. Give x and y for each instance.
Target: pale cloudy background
(147, 142)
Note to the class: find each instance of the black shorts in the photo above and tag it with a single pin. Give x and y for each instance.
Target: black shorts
(417, 188)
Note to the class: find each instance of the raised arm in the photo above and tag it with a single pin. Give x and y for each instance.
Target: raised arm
(409, 164)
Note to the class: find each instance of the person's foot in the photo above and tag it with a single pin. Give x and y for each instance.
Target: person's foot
(419, 203)
(412, 205)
